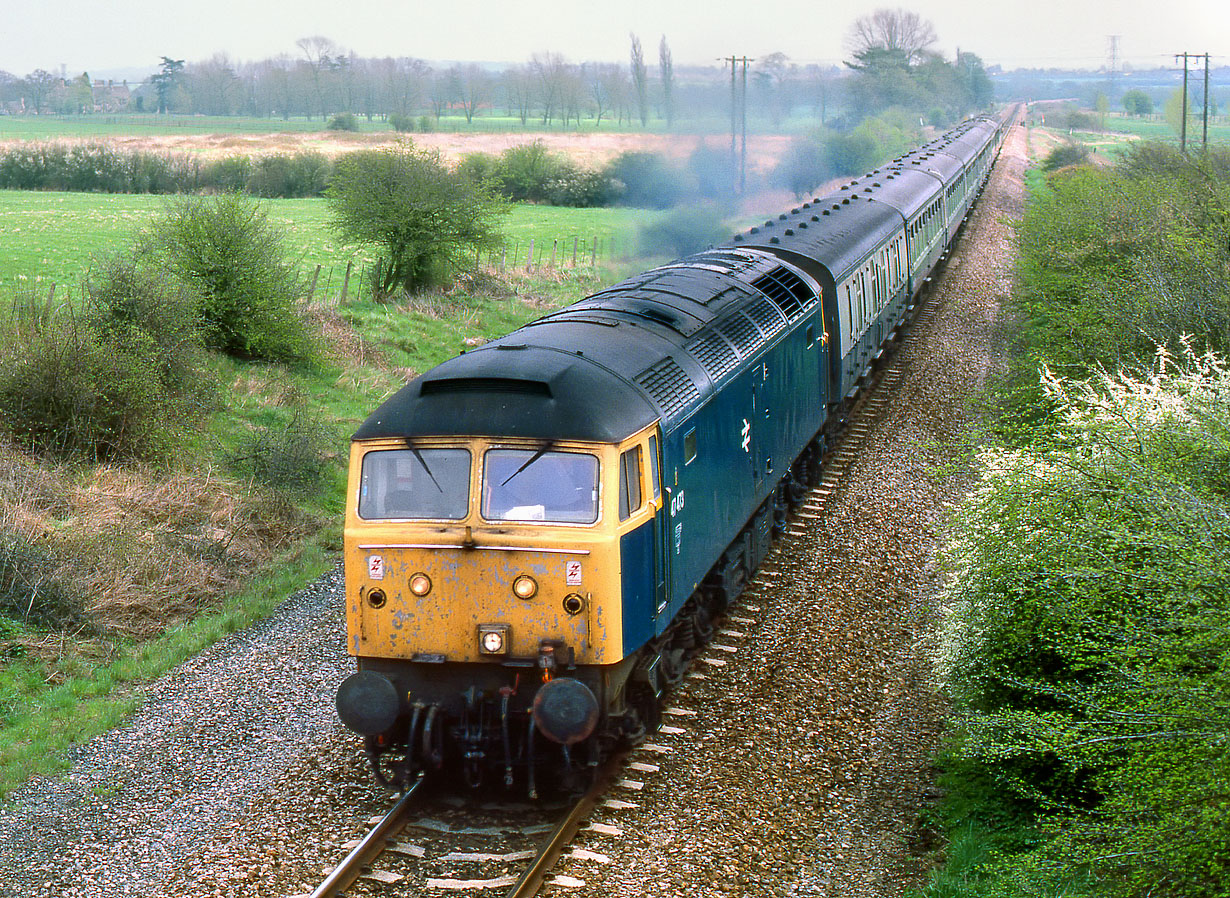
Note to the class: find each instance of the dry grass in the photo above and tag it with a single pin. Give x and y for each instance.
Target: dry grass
(143, 549)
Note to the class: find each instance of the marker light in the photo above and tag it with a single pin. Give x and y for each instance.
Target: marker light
(525, 587)
(493, 638)
(420, 584)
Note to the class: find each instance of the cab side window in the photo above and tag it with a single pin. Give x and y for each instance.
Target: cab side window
(629, 482)
(654, 484)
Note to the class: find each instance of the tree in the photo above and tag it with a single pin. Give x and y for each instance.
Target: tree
(1137, 102)
(640, 80)
(667, 68)
(892, 30)
(431, 221)
(166, 80)
(37, 88)
(321, 55)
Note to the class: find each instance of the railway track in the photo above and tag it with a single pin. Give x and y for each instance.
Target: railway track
(438, 845)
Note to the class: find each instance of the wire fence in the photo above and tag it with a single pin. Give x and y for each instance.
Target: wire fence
(330, 286)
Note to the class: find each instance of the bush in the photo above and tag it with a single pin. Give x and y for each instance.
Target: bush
(401, 123)
(29, 592)
(344, 121)
(291, 459)
(523, 172)
(581, 189)
(430, 220)
(227, 175)
(713, 171)
(69, 392)
(130, 305)
(648, 180)
(303, 174)
(1088, 642)
(803, 168)
(480, 168)
(1070, 153)
(234, 259)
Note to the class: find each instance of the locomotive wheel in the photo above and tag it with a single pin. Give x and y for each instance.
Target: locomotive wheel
(645, 713)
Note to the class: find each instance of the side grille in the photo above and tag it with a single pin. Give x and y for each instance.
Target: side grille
(669, 385)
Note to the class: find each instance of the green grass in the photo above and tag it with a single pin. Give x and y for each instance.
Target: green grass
(52, 237)
(49, 705)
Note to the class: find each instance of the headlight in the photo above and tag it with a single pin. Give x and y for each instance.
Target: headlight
(420, 584)
(525, 587)
(493, 639)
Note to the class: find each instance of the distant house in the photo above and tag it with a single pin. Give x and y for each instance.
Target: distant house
(111, 97)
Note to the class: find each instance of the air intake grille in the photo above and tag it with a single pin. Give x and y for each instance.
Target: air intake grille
(788, 290)
(767, 317)
(740, 331)
(715, 354)
(669, 385)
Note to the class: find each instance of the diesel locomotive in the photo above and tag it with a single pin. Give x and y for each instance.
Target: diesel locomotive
(541, 532)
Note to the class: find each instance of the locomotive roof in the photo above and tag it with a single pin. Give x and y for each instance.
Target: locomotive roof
(608, 366)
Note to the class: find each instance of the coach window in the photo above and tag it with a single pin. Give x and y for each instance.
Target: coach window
(689, 446)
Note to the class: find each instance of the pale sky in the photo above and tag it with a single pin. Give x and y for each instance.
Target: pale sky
(96, 36)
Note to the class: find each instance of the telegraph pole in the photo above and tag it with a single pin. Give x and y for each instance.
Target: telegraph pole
(1204, 146)
(738, 117)
(743, 154)
(1183, 125)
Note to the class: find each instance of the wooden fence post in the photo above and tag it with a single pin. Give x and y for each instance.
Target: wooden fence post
(503, 257)
(574, 251)
(554, 247)
(529, 261)
(593, 259)
(346, 283)
(312, 287)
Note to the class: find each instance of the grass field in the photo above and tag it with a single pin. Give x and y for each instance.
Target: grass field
(54, 238)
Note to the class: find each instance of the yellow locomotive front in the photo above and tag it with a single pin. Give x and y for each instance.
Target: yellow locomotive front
(483, 598)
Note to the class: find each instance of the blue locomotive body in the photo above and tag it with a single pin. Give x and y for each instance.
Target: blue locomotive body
(699, 397)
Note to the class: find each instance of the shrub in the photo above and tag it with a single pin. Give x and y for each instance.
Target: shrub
(291, 459)
(29, 592)
(303, 174)
(803, 168)
(713, 171)
(234, 259)
(227, 175)
(1070, 153)
(344, 121)
(430, 220)
(69, 392)
(481, 168)
(130, 305)
(1089, 633)
(581, 189)
(401, 123)
(523, 172)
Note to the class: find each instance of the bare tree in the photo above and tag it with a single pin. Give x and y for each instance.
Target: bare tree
(519, 88)
(897, 31)
(214, 86)
(666, 67)
(321, 54)
(550, 74)
(640, 80)
(402, 83)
